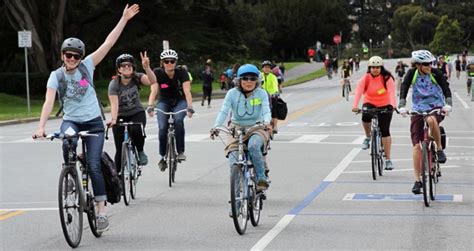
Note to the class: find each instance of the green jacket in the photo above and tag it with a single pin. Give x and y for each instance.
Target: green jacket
(269, 83)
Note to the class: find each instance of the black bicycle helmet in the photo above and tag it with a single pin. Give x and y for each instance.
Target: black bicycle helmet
(266, 62)
(125, 58)
(73, 44)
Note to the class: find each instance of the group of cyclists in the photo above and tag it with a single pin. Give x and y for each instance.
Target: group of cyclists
(248, 104)
(430, 90)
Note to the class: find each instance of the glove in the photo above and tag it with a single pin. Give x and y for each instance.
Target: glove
(403, 111)
(402, 103)
(449, 102)
(190, 110)
(214, 132)
(446, 109)
(150, 109)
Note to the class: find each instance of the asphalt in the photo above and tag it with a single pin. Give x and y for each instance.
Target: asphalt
(293, 73)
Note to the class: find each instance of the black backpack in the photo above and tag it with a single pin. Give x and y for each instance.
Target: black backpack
(113, 186)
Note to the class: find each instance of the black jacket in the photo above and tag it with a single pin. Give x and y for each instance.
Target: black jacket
(437, 74)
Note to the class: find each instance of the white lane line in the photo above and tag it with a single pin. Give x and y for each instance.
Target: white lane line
(457, 198)
(399, 170)
(342, 165)
(358, 140)
(30, 209)
(368, 161)
(461, 100)
(196, 137)
(262, 243)
(281, 225)
(309, 139)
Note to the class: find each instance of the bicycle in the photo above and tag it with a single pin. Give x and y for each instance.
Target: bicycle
(377, 151)
(246, 201)
(171, 152)
(430, 171)
(346, 88)
(130, 164)
(74, 199)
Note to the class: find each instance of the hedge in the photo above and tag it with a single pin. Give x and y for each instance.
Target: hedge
(14, 83)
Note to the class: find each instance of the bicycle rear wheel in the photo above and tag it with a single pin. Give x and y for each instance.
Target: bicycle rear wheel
(374, 157)
(255, 205)
(70, 205)
(91, 210)
(425, 179)
(346, 91)
(238, 200)
(125, 174)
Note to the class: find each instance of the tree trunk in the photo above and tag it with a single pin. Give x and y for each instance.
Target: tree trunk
(57, 8)
(23, 15)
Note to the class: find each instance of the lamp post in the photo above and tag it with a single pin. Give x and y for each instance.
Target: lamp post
(390, 46)
(370, 47)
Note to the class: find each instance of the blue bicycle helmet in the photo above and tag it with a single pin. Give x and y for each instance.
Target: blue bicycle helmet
(248, 69)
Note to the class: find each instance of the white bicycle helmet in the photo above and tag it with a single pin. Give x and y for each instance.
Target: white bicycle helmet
(422, 56)
(168, 54)
(375, 61)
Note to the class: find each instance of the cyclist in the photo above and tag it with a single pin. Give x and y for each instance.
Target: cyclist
(400, 73)
(249, 105)
(378, 88)
(469, 75)
(270, 84)
(125, 103)
(430, 91)
(443, 66)
(175, 95)
(80, 105)
(457, 66)
(357, 62)
(346, 75)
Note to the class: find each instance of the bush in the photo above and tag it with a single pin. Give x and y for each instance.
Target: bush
(14, 83)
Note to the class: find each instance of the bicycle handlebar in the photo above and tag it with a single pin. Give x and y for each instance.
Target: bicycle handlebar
(376, 110)
(81, 134)
(123, 124)
(232, 131)
(438, 111)
(170, 113)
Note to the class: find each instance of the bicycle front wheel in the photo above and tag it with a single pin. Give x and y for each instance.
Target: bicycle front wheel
(255, 206)
(91, 210)
(70, 205)
(125, 174)
(346, 91)
(380, 154)
(238, 199)
(433, 174)
(425, 179)
(171, 161)
(374, 156)
(134, 175)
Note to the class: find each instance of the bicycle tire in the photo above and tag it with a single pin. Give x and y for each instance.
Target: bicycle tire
(255, 205)
(373, 154)
(433, 176)
(425, 174)
(171, 161)
(238, 201)
(134, 175)
(66, 215)
(346, 91)
(380, 154)
(125, 175)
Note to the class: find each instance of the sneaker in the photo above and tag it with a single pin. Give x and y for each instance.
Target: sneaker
(143, 159)
(388, 165)
(181, 157)
(441, 157)
(102, 223)
(162, 165)
(417, 187)
(366, 144)
(262, 184)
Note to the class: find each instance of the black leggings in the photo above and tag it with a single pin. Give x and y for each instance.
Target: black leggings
(384, 119)
(133, 131)
(206, 92)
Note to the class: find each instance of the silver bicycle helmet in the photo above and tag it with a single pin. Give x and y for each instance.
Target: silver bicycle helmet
(375, 61)
(168, 54)
(73, 44)
(422, 56)
(124, 58)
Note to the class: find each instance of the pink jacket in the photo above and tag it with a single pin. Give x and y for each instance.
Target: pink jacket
(374, 91)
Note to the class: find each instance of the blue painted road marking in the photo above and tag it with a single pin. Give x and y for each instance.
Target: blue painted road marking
(400, 197)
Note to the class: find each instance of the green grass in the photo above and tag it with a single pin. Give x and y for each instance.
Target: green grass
(290, 65)
(14, 107)
(317, 74)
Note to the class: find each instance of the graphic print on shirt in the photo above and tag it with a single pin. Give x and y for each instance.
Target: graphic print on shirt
(75, 90)
(128, 98)
(426, 95)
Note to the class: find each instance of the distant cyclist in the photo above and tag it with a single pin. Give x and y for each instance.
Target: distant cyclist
(378, 89)
(457, 66)
(124, 97)
(400, 73)
(346, 72)
(175, 94)
(357, 62)
(270, 84)
(430, 91)
(80, 104)
(443, 66)
(249, 105)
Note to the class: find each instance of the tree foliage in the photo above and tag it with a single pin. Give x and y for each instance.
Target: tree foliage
(448, 36)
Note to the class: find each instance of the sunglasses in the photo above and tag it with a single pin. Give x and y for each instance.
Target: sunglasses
(169, 61)
(426, 64)
(70, 55)
(123, 65)
(245, 78)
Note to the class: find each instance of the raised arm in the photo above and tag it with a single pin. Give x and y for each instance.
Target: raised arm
(150, 77)
(128, 13)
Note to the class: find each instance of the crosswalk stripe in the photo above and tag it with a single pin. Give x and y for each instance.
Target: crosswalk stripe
(315, 138)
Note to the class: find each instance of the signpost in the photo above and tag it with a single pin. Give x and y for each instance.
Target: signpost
(166, 45)
(24, 41)
(337, 40)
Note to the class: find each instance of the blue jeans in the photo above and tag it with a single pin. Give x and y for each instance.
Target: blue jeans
(94, 146)
(178, 125)
(255, 145)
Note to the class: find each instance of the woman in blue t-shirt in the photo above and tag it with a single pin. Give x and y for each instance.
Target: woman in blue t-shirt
(74, 83)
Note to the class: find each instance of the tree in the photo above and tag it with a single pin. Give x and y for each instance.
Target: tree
(447, 37)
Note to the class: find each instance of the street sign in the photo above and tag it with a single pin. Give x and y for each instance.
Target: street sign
(24, 39)
(337, 39)
(166, 45)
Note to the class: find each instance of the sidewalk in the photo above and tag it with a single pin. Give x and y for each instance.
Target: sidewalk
(300, 70)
